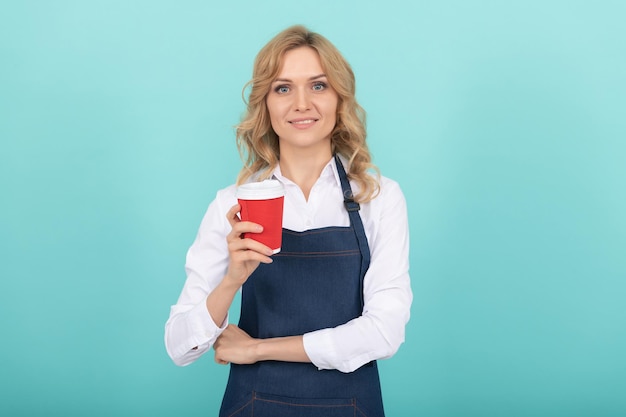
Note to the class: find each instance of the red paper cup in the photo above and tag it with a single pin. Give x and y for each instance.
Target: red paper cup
(262, 203)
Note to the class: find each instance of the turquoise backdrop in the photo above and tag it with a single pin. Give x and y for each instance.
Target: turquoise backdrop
(503, 121)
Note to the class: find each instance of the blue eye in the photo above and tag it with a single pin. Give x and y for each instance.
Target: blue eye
(319, 86)
(282, 89)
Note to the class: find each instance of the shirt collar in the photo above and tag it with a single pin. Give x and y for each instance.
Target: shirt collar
(330, 170)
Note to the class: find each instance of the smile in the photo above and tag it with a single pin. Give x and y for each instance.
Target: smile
(303, 122)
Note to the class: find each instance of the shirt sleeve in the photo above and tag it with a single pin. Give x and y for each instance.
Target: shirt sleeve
(190, 331)
(379, 331)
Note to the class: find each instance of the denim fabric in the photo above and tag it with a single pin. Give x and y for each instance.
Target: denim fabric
(315, 282)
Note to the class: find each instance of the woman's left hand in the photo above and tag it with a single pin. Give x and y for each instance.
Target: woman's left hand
(235, 346)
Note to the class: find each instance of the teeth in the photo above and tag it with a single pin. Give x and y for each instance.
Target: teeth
(303, 122)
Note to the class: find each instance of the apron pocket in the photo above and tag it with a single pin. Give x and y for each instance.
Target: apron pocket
(274, 405)
(241, 408)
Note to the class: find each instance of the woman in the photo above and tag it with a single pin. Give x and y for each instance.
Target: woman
(316, 316)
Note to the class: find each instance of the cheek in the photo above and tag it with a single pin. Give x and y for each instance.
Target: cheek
(331, 109)
(275, 116)
(275, 108)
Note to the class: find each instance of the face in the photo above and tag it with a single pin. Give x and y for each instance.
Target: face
(301, 103)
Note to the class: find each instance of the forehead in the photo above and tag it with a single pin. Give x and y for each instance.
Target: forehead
(300, 62)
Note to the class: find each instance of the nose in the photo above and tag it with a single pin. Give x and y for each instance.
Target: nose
(302, 100)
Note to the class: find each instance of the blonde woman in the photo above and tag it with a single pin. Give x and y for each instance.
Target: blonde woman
(316, 316)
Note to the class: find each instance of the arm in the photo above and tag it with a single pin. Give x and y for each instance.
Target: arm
(236, 346)
(217, 264)
(244, 256)
(379, 331)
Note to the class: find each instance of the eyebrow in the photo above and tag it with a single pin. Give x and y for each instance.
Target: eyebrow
(283, 80)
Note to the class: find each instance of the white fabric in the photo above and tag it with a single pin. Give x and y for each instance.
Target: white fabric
(377, 334)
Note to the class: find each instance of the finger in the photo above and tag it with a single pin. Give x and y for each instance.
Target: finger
(232, 214)
(217, 347)
(249, 261)
(248, 249)
(241, 227)
(220, 361)
(247, 243)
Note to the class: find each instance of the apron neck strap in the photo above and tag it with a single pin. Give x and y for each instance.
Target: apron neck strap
(348, 197)
(355, 220)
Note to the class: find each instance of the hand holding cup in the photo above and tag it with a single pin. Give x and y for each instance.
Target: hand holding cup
(258, 233)
(262, 203)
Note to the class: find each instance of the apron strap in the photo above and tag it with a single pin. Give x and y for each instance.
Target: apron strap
(355, 220)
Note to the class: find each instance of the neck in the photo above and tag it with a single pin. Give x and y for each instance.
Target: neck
(304, 168)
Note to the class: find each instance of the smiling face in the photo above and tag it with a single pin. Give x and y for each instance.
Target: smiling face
(301, 103)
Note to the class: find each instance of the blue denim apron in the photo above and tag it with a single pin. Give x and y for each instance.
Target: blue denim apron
(315, 282)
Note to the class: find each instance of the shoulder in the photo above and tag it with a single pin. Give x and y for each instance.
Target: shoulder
(389, 192)
(227, 195)
(389, 201)
(387, 185)
(215, 215)
(385, 217)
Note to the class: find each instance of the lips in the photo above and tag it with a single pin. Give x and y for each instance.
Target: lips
(302, 121)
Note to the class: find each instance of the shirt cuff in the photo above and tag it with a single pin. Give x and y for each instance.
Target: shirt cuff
(203, 331)
(318, 347)
(322, 350)
(204, 324)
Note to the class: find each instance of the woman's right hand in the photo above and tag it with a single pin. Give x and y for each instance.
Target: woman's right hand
(245, 255)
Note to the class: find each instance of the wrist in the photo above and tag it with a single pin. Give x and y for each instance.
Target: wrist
(229, 286)
(258, 350)
(288, 349)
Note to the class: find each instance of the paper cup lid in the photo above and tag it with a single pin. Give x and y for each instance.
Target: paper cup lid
(260, 190)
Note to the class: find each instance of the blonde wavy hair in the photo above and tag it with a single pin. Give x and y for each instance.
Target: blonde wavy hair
(257, 141)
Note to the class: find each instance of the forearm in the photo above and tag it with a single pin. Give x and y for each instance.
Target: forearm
(286, 349)
(219, 301)
(236, 346)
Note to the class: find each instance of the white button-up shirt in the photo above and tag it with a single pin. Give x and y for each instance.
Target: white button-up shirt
(376, 334)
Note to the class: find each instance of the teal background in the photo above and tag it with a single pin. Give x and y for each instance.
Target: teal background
(503, 121)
